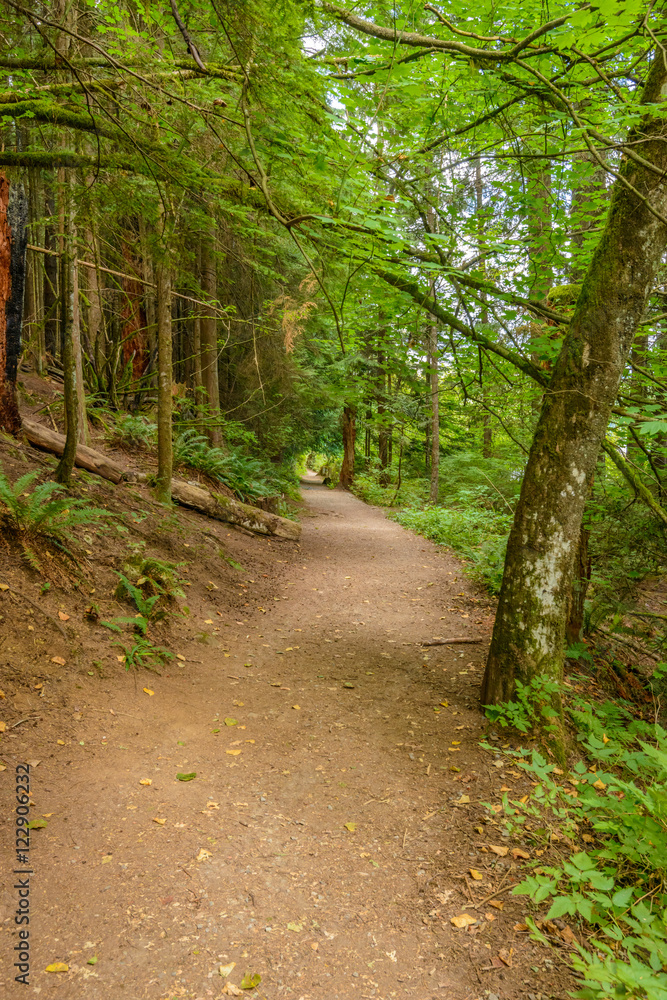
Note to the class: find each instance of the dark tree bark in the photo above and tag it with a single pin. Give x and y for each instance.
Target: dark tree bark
(349, 428)
(529, 633)
(13, 240)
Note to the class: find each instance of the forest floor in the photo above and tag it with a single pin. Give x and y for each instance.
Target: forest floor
(328, 837)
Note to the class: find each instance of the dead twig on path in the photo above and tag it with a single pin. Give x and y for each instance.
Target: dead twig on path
(447, 642)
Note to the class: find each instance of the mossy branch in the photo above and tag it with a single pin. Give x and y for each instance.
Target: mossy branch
(633, 479)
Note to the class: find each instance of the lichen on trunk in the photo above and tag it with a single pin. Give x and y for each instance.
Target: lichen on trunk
(529, 633)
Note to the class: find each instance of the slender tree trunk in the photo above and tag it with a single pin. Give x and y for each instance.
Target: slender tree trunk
(63, 472)
(164, 393)
(51, 292)
(13, 240)
(209, 341)
(435, 407)
(82, 416)
(529, 632)
(487, 432)
(586, 212)
(349, 429)
(36, 272)
(96, 334)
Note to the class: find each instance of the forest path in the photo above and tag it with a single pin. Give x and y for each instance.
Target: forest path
(327, 838)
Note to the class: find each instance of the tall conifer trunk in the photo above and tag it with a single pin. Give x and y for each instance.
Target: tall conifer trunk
(529, 632)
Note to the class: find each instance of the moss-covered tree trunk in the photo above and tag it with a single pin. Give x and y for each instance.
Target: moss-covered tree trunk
(529, 633)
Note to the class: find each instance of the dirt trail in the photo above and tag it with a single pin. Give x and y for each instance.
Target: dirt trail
(321, 844)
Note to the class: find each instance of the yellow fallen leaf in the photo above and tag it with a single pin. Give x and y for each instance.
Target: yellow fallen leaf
(63, 617)
(61, 743)
(297, 707)
(159, 820)
(146, 781)
(599, 784)
(203, 854)
(149, 692)
(500, 851)
(445, 704)
(2, 694)
(57, 967)
(456, 743)
(59, 660)
(3, 727)
(497, 903)
(463, 801)
(476, 875)
(3, 767)
(587, 838)
(350, 826)
(233, 753)
(226, 970)
(4, 586)
(229, 989)
(605, 738)
(121, 659)
(179, 656)
(106, 859)
(464, 920)
(518, 852)
(208, 621)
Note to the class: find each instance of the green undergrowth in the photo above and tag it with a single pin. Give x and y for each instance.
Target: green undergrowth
(610, 809)
(251, 477)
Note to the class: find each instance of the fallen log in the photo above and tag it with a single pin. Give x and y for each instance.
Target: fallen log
(214, 505)
(86, 458)
(223, 508)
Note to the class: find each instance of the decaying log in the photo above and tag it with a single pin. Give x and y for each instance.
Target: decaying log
(223, 508)
(87, 458)
(214, 505)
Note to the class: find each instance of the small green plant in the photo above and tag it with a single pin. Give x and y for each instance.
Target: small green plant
(142, 652)
(45, 513)
(133, 431)
(612, 808)
(148, 608)
(151, 575)
(531, 710)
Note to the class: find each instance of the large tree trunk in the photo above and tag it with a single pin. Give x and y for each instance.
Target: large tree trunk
(13, 219)
(349, 429)
(529, 633)
(209, 341)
